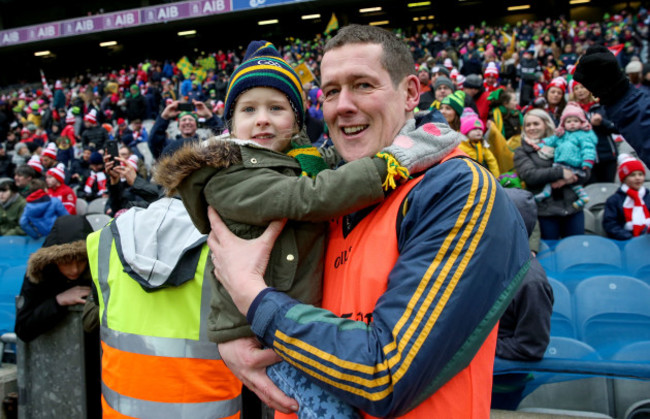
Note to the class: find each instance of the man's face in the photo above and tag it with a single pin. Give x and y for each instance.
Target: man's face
(187, 126)
(424, 77)
(490, 80)
(22, 181)
(470, 91)
(362, 108)
(47, 162)
(124, 153)
(86, 155)
(442, 92)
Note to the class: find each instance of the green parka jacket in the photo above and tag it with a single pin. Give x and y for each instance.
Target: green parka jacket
(250, 186)
(10, 217)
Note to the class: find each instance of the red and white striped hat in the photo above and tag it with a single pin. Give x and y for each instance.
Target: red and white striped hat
(58, 172)
(491, 70)
(133, 161)
(50, 151)
(91, 116)
(35, 162)
(558, 82)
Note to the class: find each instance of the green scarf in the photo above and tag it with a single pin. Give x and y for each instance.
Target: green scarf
(309, 159)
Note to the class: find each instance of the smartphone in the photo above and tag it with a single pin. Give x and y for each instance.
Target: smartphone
(112, 149)
(186, 107)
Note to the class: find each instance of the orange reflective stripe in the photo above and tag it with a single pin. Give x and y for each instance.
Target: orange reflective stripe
(167, 379)
(109, 413)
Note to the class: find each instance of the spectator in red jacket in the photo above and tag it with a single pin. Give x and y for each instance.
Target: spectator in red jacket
(56, 188)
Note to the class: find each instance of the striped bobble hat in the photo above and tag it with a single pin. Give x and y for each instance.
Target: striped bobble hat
(264, 67)
(456, 100)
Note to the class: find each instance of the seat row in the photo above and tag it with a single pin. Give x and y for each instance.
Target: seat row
(575, 258)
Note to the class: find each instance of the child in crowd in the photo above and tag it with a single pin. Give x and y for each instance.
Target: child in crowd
(41, 211)
(573, 147)
(267, 169)
(472, 128)
(95, 186)
(57, 188)
(503, 111)
(626, 212)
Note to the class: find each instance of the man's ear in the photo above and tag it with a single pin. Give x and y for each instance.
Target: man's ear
(411, 85)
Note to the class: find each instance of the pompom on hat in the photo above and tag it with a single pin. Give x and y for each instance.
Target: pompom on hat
(58, 172)
(628, 164)
(263, 66)
(50, 151)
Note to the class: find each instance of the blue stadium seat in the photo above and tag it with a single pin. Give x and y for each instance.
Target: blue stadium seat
(637, 257)
(629, 392)
(7, 321)
(612, 311)
(547, 260)
(12, 247)
(562, 323)
(580, 257)
(10, 283)
(33, 245)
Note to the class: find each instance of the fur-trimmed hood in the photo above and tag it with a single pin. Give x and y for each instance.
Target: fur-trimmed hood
(65, 243)
(217, 152)
(45, 256)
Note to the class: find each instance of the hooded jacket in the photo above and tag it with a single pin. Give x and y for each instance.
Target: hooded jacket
(40, 213)
(37, 308)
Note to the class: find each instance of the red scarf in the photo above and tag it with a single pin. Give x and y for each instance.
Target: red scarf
(637, 216)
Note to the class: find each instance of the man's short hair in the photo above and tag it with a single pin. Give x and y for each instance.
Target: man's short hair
(396, 58)
(26, 171)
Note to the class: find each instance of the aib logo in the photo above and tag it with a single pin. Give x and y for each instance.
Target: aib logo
(343, 258)
(255, 3)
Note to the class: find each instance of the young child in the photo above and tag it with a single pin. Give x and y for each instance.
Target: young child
(626, 212)
(265, 170)
(472, 128)
(573, 147)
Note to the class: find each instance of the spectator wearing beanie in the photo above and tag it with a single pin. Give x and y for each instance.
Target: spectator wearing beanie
(491, 78)
(442, 88)
(626, 212)
(48, 156)
(555, 100)
(94, 135)
(35, 163)
(68, 131)
(95, 185)
(452, 107)
(475, 146)
(56, 188)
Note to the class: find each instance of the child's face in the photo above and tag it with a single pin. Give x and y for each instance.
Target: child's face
(635, 180)
(264, 115)
(572, 123)
(72, 270)
(512, 103)
(475, 135)
(51, 181)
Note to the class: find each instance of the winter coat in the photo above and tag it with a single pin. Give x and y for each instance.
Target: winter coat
(576, 149)
(537, 172)
(40, 213)
(96, 135)
(250, 186)
(67, 197)
(614, 217)
(10, 214)
(136, 108)
(630, 116)
(482, 155)
(37, 308)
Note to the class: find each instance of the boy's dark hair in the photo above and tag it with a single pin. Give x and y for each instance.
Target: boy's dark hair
(8, 184)
(27, 171)
(396, 57)
(36, 184)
